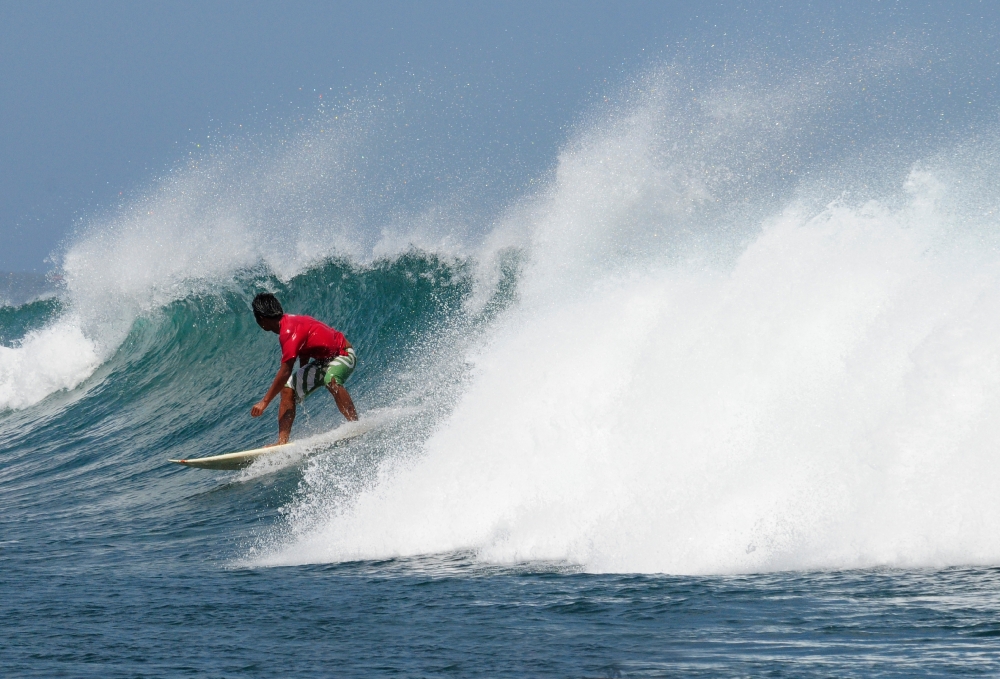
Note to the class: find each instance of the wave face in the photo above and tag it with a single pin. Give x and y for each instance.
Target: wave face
(714, 339)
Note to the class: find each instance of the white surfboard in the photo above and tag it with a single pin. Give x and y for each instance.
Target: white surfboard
(245, 458)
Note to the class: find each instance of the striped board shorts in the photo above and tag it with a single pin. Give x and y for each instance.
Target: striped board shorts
(315, 374)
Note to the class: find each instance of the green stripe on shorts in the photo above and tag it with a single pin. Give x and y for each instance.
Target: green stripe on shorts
(341, 368)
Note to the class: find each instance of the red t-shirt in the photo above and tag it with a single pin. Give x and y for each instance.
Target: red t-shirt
(304, 337)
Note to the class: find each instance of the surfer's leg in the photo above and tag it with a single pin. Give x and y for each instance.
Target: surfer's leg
(344, 402)
(286, 414)
(337, 373)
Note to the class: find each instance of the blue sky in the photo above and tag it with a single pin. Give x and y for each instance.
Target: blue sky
(99, 99)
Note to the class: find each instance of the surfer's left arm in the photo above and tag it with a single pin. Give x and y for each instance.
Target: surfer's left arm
(284, 372)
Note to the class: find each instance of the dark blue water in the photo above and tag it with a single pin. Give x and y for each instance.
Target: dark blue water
(445, 616)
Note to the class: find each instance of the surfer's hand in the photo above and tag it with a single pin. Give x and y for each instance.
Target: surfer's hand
(258, 409)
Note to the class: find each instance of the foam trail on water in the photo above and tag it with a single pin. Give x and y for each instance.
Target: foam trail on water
(825, 395)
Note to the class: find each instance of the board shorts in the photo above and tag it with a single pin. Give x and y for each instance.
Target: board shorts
(315, 374)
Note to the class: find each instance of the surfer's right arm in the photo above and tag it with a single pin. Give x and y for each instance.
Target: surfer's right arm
(284, 372)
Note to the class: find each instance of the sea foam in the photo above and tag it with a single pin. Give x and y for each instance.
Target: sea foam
(688, 389)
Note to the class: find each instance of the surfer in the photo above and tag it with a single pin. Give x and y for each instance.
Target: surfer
(325, 358)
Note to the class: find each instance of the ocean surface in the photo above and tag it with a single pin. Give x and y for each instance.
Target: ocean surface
(715, 395)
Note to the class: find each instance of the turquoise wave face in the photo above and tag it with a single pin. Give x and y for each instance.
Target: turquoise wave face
(183, 381)
(18, 321)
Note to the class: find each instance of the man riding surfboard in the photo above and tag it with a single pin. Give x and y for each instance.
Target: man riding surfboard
(325, 358)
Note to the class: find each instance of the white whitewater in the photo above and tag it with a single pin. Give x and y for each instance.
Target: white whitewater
(688, 389)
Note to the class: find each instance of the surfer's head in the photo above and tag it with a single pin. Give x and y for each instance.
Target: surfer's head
(267, 311)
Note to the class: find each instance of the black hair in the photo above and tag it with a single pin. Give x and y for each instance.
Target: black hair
(266, 305)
